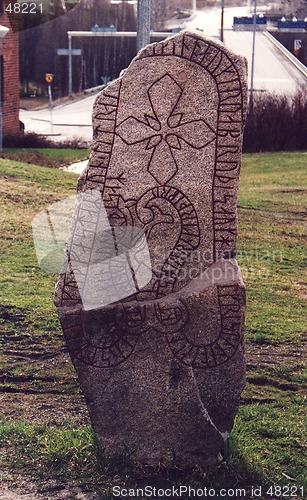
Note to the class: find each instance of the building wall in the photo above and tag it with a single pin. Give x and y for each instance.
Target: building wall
(10, 52)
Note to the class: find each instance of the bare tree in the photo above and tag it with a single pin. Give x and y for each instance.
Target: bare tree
(100, 56)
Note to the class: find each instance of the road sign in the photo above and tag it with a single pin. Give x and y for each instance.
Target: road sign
(48, 78)
(65, 52)
(297, 46)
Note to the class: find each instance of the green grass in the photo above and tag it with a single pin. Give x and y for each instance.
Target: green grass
(272, 244)
(62, 452)
(72, 453)
(24, 191)
(267, 445)
(46, 157)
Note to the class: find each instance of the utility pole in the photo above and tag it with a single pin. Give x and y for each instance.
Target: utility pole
(143, 24)
(253, 55)
(69, 65)
(222, 20)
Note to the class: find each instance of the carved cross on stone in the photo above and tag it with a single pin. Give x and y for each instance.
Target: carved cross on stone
(165, 130)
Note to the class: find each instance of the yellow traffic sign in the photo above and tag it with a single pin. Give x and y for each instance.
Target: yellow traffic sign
(49, 78)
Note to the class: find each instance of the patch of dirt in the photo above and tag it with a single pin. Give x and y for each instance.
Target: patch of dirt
(287, 215)
(44, 408)
(37, 373)
(261, 357)
(302, 289)
(34, 103)
(12, 314)
(37, 381)
(52, 490)
(272, 371)
(8, 178)
(295, 190)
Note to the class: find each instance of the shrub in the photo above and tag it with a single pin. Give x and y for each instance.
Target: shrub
(33, 140)
(276, 123)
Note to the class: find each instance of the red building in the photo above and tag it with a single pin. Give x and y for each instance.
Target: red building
(9, 76)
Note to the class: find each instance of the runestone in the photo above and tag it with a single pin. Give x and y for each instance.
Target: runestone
(150, 298)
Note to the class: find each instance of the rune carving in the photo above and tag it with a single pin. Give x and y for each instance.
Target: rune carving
(160, 135)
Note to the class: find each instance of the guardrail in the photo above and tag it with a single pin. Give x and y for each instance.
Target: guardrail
(289, 24)
(249, 20)
(298, 64)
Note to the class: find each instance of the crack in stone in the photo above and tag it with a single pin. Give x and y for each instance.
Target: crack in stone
(204, 410)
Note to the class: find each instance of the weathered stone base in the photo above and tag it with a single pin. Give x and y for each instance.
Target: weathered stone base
(154, 404)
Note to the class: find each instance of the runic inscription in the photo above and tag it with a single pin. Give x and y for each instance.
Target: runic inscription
(162, 131)
(163, 176)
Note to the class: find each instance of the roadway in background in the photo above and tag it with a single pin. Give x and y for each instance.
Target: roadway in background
(70, 120)
(273, 73)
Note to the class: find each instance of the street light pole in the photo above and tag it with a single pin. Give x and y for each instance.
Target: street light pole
(3, 31)
(69, 64)
(253, 54)
(143, 24)
(222, 20)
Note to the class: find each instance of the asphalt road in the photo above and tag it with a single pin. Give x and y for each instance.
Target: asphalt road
(273, 71)
(73, 120)
(208, 20)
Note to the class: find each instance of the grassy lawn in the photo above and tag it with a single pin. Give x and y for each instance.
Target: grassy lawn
(44, 429)
(46, 157)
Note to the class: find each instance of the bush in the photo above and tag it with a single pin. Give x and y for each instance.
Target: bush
(276, 123)
(32, 140)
